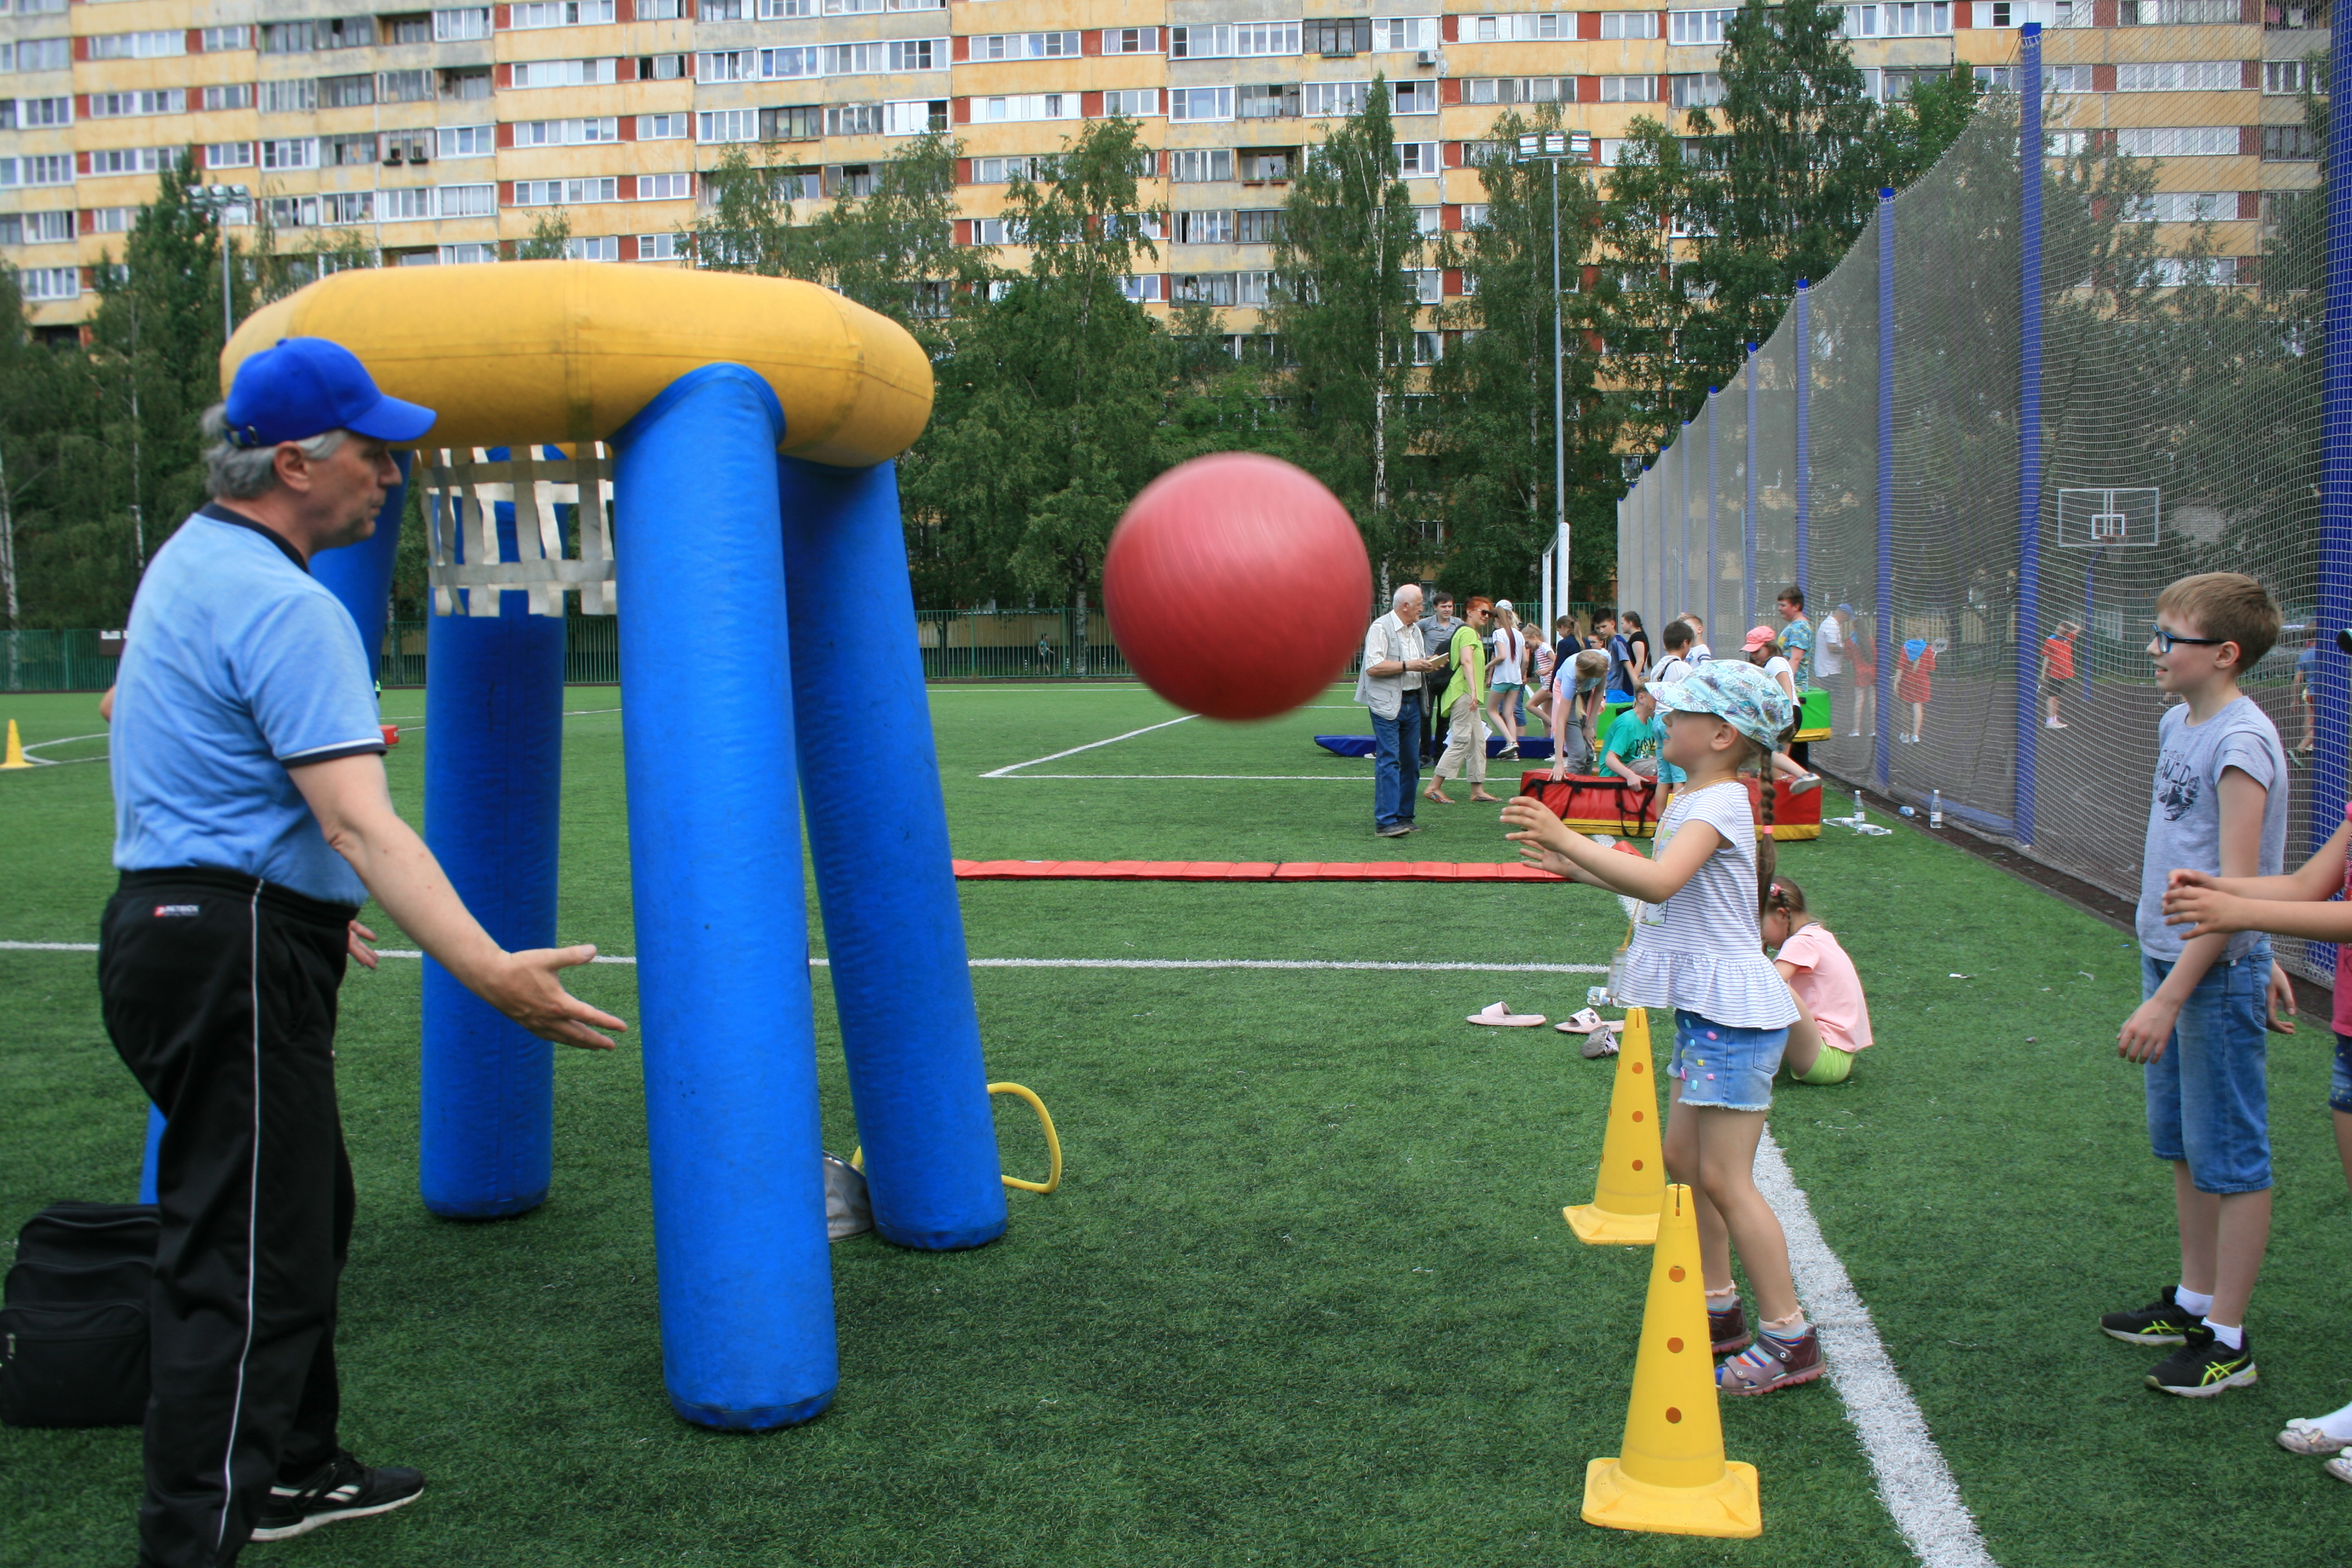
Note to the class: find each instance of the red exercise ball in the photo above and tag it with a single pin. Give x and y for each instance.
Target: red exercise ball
(1237, 585)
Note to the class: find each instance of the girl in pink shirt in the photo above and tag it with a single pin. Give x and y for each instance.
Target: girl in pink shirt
(1836, 1025)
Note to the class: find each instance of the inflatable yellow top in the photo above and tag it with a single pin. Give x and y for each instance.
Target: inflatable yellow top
(569, 351)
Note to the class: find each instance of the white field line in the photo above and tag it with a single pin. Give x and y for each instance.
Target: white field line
(1235, 778)
(1048, 963)
(399, 724)
(1010, 768)
(1914, 1482)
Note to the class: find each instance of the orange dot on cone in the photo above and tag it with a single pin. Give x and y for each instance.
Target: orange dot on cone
(1637, 1067)
(1675, 1274)
(1673, 1415)
(1637, 1165)
(1637, 1116)
(1675, 1345)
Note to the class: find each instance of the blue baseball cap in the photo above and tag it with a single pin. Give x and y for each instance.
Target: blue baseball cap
(307, 386)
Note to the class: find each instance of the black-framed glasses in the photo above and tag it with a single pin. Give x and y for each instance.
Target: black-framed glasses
(2164, 640)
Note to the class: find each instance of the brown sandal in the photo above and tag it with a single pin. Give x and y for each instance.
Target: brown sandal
(1772, 1364)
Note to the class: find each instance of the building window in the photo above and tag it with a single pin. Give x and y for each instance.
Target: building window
(36, 228)
(456, 26)
(1519, 89)
(138, 45)
(1212, 227)
(229, 156)
(893, 54)
(1333, 100)
(2289, 77)
(465, 141)
(2289, 15)
(467, 255)
(338, 152)
(1201, 289)
(1242, 39)
(1474, 215)
(405, 86)
(560, 14)
(1266, 165)
(117, 105)
(41, 285)
(661, 127)
(1628, 89)
(570, 73)
(133, 160)
(1701, 89)
(224, 40)
(1340, 39)
(1404, 35)
(1524, 27)
(1200, 165)
(413, 30)
(998, 171)
(1413, 96)
(347, 206)
(1417, 160)
(2179, 76)
(2184, 207)
(231, 95)
(2175, 13)
(2017, 13)
(2288, 145)
(1699, 28)
(301, 152)
(658, 247)
(41, 169)
(665, 188)
(914, 117)
(296, 97)
(37, 55)
(1133, 42)
(1428, 348)
(467, 201)
(289, 37)
(661, 68)
(1024, 46)
(347, 92)
(1272, 100)
(730, 125)
(1132, 102)
(1027, 106)
(565, 132)
(2181, 141)
(1260, 225)
(793, 122)
(1143, 289)
(1200, 103)
(566, 193)
(592, 247)
(1629, 24)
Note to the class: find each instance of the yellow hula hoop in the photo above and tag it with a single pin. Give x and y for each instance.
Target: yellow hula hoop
(1052, 1144)
(1045, 1120)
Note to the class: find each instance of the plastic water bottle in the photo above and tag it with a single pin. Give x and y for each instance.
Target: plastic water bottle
(1936, 808)
(1858, 817)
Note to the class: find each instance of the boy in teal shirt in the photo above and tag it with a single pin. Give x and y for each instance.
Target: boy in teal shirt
(1634, 741)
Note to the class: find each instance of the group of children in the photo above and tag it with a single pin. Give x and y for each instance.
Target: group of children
(1713, 912)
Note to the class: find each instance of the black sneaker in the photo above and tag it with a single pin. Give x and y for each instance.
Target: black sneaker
(2160, 1322)
(340, 1488)
(2204, 1367)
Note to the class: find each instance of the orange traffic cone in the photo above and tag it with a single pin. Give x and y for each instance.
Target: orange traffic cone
(1624, 1207)
(16, 755)
(1673, 1478)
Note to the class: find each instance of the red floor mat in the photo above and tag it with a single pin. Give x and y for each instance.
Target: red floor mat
(1248, 871)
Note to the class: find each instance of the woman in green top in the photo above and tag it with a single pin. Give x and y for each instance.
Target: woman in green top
(1464, 695)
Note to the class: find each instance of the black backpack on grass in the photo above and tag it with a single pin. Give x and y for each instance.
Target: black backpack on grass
(73, 1333)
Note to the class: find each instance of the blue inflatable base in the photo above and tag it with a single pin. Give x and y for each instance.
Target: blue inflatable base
(1532, 747)
(942, 1240)
(763, 1419)
(504, 1208)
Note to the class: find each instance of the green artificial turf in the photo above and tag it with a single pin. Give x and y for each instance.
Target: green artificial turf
(1306, 1296)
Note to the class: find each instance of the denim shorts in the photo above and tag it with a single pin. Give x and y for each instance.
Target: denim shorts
(2340, 1092)
(2208, 1098)
(1724, 1066)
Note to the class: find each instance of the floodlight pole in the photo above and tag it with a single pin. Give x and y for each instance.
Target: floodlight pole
(1553, 147)
(217, 200)
(1883, 653)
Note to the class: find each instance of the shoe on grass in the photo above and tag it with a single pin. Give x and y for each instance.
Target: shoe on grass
(2204, 1367)
(2303, 1436)
(1727, 1328)
(2339, 1466)
(343, 1488)
(1772, 1363)
(2160, 1322)
(1399, 831)
(1601, 1042)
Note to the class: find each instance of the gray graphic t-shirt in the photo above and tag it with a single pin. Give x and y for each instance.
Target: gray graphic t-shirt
(2184, 820)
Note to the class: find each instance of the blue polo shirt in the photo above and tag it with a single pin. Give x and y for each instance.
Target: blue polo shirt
(239, 665)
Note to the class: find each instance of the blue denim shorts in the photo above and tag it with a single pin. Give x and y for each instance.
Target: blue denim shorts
(2207, 1098)
(2340, 1092)
(1724, 1066)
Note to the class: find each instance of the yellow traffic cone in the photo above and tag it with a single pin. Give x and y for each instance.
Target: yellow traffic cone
(16, 757)
(1673, 1478)
(1624, 1207)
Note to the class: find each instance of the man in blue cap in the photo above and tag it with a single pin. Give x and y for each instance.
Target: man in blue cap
(251, 822)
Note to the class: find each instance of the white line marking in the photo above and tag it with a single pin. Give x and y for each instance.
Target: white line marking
(1049, 963)
(1007, 770)
(1914, 1482)
(1238, 778)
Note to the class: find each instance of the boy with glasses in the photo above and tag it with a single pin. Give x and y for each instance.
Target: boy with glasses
(2219, 807)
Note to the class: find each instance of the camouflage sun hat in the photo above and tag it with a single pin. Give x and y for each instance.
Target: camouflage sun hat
(1737, 692)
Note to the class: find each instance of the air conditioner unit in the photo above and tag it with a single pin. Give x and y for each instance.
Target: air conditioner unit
(1426, 58)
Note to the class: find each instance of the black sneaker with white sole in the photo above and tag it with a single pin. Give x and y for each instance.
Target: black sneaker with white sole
(2161, 1323)
(340, 1488)
(2204, 1367)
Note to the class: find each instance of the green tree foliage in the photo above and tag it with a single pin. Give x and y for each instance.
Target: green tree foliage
(549, 239)
(1343, 307)
(1053, 394)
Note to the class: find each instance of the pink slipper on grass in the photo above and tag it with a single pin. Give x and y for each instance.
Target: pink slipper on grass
(1585, 1021)
(1500, 1017)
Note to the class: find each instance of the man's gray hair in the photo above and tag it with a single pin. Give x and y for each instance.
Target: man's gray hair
(241, 473)
(1410, 591)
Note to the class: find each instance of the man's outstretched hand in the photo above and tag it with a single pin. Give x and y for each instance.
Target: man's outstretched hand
(525, 987)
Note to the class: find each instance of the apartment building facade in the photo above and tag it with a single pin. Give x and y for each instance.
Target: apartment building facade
(441, 136)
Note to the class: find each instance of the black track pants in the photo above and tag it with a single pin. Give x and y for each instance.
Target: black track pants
(219, 993)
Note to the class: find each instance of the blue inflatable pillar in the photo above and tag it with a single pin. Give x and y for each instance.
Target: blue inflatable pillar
(726, 1037)
(361, 574)
(493, 776)
(893, 927)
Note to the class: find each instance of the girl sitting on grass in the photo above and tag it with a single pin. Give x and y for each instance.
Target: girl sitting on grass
(1698, 948)
(1836, 1022)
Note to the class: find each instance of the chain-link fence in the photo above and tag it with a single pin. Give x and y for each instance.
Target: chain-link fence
(1959, 470)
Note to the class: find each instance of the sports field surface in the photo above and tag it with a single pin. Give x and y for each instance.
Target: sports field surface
(1305, 1296)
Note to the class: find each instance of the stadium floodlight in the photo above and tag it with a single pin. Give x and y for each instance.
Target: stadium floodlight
(1553, 147)
(218, 201)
